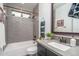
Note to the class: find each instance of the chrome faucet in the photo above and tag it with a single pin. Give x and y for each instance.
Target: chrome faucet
(62, 40)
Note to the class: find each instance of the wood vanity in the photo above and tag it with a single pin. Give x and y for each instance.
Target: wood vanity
(46, 50)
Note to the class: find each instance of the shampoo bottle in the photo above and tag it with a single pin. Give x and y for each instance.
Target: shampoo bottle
(72, 42)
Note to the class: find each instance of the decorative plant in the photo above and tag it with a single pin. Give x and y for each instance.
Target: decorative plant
(49, 34)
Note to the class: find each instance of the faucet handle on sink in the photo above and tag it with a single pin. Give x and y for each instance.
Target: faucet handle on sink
(63, 40)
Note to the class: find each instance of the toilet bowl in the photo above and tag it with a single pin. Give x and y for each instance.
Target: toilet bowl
(32, 50)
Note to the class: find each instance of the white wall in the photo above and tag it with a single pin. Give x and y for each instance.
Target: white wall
(45, 12)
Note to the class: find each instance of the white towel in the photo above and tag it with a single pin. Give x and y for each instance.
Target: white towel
(2, 35)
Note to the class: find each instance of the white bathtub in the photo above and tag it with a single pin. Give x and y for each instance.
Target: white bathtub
(18, 49)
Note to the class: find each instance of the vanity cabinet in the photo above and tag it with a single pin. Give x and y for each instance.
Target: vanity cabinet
(42, 51)
(49, 53)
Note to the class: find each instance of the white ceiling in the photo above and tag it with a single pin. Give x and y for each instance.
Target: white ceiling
(25, 6)
(57, 5)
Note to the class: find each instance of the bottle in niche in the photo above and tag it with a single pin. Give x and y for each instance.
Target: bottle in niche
(72, 41)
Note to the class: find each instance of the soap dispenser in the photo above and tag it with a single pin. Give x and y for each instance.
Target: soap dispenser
(72, 41)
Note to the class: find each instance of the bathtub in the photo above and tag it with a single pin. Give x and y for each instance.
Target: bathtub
(18, 48)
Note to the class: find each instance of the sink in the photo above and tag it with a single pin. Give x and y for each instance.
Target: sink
(59, 46)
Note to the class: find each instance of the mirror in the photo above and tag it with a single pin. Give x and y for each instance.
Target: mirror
(66, 17)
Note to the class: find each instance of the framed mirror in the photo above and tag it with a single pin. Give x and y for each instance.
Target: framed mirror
(65, 18)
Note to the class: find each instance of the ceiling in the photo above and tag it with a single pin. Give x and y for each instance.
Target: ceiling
(24, 6)
(57, 5)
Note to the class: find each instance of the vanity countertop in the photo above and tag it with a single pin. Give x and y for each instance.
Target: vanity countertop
(73, 51)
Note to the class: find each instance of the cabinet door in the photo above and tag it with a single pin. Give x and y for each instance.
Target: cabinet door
(41, 50)
(49, 53)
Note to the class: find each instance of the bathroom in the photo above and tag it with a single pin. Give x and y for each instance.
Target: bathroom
(40, 29)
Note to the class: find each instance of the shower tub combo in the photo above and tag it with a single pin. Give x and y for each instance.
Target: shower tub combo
(19, 48)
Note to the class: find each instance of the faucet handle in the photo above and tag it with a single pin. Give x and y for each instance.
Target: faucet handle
(61, 39)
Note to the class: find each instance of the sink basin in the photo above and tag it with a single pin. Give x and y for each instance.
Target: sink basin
(59, 46)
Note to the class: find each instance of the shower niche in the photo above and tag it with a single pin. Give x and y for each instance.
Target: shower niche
(42, 28)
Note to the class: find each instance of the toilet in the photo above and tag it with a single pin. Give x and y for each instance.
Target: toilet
(32, 51)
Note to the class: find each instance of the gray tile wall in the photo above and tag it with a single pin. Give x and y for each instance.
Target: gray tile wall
(19, 29)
